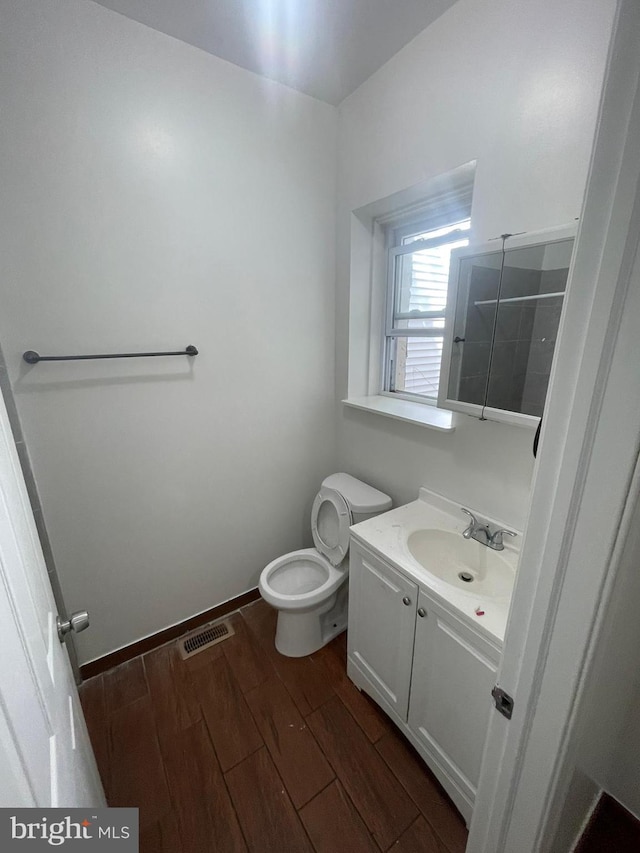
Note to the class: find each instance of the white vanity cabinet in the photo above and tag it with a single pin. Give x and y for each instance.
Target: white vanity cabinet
(428, 669)
(454, 670)
(382, 621)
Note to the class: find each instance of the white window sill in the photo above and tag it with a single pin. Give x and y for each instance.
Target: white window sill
(405, 410)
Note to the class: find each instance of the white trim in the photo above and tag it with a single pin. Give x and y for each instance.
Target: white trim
(457, 235)
(409, 230)
(587, 451)
(599, 532)
(405, 410)
(413, 203)
(416, 333)
(413, 398)
(416, 314)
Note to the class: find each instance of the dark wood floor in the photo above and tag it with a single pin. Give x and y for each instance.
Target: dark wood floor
(611, 828)
(240, 748)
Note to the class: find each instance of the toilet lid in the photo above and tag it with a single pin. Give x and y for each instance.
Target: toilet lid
(330, 523)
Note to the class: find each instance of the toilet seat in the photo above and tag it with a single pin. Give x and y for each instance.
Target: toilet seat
(309, 588)
(330, 522)
(299, 580)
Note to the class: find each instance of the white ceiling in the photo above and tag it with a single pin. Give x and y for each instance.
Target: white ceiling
(325, 48)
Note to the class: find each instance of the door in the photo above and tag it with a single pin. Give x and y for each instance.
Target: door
(45, 754)
(382, 610)
(586, 458)
(453, 673)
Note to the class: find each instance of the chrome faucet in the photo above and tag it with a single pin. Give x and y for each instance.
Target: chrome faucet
(496, 539)
(478, 530)
(481, 531)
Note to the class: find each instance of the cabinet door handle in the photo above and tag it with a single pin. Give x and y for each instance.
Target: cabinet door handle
(406, 601)
(422, 612)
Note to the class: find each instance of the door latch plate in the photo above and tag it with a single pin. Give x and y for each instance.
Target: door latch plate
(504, 703)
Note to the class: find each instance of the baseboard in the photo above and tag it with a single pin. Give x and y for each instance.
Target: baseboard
(140, 647)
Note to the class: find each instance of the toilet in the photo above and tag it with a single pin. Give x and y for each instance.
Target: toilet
(309, 587)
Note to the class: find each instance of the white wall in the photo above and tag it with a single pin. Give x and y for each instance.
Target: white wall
(156, 196)
(514, 85)
(606, 740)
(153, 197)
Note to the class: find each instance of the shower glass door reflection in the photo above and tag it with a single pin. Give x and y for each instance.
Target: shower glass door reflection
(534, 279)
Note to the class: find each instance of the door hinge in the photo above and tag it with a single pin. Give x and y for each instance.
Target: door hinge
(504, 702)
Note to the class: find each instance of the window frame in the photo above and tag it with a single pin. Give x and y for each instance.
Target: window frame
(396, 234)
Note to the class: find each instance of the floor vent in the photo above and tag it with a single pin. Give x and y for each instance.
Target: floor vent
(204, 638)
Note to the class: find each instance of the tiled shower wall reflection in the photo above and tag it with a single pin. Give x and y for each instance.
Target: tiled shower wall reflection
(525, 338)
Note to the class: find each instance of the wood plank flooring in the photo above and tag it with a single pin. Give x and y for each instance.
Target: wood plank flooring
(611, 828)
(241, 749)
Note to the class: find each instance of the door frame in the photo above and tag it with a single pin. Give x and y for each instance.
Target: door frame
(582, 482)
(44, 744)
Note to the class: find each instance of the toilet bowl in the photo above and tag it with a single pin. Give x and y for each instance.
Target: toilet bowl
(309, 587)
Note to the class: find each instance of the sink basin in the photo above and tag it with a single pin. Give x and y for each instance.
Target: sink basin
(463, 563)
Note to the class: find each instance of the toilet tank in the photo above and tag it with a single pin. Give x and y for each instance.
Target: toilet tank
(364, 501)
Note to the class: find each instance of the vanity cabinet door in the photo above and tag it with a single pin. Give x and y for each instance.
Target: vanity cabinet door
(454, 671)
(382, 613)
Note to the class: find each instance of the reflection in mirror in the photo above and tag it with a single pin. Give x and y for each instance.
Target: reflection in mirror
(476, 301)
(533, 284)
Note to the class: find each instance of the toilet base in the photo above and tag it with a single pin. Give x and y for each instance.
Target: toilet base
(300, 634)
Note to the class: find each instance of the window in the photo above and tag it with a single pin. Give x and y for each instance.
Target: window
(418, 273)
(398, 264)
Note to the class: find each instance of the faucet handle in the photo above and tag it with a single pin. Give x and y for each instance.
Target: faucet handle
(496, 539)
(472, 524)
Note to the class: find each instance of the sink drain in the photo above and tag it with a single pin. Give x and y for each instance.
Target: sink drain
(467, 577)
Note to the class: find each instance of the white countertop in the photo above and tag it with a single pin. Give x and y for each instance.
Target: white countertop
(387, 534)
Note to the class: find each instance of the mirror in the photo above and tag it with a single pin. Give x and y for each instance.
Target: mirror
(475, 312)
(503, 318)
